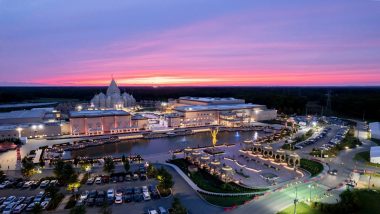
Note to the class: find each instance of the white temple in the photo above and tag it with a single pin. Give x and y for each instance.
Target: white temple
(113, 99)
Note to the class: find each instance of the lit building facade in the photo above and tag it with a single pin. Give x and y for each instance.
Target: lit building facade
(98, 122)
(230, 112)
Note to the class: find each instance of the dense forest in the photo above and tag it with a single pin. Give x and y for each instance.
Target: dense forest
(353, 102)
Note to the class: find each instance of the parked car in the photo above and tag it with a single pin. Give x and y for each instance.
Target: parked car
(128, 177)
(110, 193)
(31, 206)
(9, 208)
(100, 199)
(135, 177)
(19, 208)
(44, 204)
(98, 180)
(27, 184)
(152, 211)
(44, 184)
(2, 199)
(146, 196)
(162, 210)
(20, 184)
(128, 198)
(20, 200)
(5, 184)
(90, 181)
(9, 200)
(53, 183)
(29, 200)
(119, 199)
(84, 195)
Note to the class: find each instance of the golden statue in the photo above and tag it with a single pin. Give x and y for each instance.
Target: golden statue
(214, 133)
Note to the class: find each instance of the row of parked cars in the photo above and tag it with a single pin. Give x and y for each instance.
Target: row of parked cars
(123, 195)
(13, 204)
(19, 183)
(313, 140)
(121, 177)
(336, 139)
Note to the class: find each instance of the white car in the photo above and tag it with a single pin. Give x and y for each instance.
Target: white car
(84, 195)
(152, 212)
(110, 193)
(44, 183)
(27, 184)
(146, 196)
(145, 189)
(119, 199)
(162, 210)
(44, 204)
(98, 180)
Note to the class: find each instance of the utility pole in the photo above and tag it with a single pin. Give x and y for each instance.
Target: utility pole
(295, 203)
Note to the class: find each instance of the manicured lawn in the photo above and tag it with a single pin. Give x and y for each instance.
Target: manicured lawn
(228, 201)
(302, 208)
(364, 157)
(208, 182)
(377, 141)
(311, 166)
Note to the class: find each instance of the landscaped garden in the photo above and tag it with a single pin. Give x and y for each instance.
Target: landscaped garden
(365, 157)
(227, 201)
(208, 182)
(311, 166)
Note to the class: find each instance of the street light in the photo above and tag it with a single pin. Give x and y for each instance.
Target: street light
(19, 129)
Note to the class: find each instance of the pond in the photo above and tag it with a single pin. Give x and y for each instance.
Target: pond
(163, 145)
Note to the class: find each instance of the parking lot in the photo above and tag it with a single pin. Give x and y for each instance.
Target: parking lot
(135, 191)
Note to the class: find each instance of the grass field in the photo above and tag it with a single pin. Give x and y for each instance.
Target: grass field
(364, 157)
(311, 166)
(228, 201)
(302, 208)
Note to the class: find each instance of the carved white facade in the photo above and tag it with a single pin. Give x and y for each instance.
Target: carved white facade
(113, 99)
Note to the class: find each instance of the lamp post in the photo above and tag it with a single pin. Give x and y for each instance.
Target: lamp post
(19, 129)
(295, 203)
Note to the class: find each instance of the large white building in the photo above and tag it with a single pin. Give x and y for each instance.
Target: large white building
(204, 111)
(375, 130)
(113, 99)
(375, 154)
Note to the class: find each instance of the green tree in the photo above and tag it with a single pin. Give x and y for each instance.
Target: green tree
(126, 165)
(78, 210)
(151, 171)
(123, 158)
(27, 167)
(165, 179)
(65, 172)
(177, 207)
(109, 165)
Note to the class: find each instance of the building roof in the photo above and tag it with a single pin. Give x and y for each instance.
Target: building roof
(33, 113)
(98, 113)
(138, 117)
(375, 151)
(217, 107)
(212, 99)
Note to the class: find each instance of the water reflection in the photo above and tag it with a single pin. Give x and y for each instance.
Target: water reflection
(162, 145)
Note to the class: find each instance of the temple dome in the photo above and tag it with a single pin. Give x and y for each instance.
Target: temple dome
(112, 99)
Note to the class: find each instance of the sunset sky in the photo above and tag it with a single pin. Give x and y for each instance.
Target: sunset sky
(190, 42)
